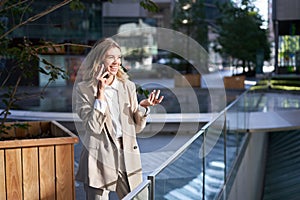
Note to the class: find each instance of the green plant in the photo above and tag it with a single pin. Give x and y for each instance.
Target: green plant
(190, 18)
(240, 35)
(20, 59)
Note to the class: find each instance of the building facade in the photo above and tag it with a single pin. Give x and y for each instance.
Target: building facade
(99, 19)
(286, 24)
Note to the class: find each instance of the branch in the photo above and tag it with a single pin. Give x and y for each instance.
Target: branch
(35, 17)
(10, 102)
(9, 73)
(12, 6)
(64, 44)
(25, 9)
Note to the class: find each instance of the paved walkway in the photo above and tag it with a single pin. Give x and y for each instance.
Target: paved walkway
(261, 111)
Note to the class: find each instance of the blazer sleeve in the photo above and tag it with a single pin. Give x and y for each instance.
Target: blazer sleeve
(92, 119)
(139, 112)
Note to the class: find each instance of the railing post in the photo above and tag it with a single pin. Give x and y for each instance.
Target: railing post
(203, 165)
(152, 187)
(225, 152)
(225, 156)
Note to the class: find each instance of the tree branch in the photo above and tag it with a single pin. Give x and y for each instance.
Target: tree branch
(12, 6)
(35, 17)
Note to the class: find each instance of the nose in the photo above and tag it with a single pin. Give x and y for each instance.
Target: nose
(117, 61)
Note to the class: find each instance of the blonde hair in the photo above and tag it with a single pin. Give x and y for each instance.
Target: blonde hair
(95, 58)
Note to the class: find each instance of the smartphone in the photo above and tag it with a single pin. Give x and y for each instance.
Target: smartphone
(106, 76)
(100, 71)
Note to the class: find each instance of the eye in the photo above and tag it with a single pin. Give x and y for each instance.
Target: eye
(110, 57)
(113, 58)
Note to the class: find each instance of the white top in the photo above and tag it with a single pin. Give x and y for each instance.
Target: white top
(112, 101)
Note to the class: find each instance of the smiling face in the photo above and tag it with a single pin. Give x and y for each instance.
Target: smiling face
(112, 60)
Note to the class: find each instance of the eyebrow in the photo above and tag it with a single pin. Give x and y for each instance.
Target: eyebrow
(119, 56)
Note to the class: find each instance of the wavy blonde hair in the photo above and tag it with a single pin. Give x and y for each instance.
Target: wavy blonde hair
(96, 57)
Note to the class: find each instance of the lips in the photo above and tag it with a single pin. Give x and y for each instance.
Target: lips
(113, 68)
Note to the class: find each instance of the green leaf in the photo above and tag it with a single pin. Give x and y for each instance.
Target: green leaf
(77, 5)
(21, 125)
(5, 102)
(149, 5)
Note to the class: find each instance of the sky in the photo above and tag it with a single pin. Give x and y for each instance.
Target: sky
(262, 6)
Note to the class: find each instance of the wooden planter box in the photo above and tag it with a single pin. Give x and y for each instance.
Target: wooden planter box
(38, 168)
(187, 80)
(234, 82)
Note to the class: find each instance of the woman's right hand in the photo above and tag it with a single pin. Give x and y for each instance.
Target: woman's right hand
(102, 83)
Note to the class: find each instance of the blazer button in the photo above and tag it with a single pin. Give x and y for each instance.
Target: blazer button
(135, 147)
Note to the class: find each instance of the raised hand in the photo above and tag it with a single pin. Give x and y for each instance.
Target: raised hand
(153, 99)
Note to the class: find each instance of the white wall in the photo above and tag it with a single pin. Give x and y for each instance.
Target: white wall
(248, 184)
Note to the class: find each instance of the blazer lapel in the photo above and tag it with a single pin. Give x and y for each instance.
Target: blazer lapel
(124, 104)
(122, 97)
(108, 120)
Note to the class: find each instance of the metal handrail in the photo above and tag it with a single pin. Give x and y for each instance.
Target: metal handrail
(137, 190)
(151, 177)
(190, 141)
(229, 172)
(180, 151)
(176, 154)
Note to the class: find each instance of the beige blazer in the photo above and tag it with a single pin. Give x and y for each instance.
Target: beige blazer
(98, 166)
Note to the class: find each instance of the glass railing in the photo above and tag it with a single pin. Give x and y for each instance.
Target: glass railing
(179, 172)
(202, 167)
(141, 192)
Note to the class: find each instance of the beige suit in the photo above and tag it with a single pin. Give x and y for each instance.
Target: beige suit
(98, 165)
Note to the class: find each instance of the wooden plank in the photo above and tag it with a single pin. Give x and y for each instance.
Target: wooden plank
(2, 176)
(69, 138)
(37, 142)
(34, 128)
(56, 131)
(73, 170)
(9, 132)
(47, 173)
(15, 131)
(13, 171)
(21, 132)
(64, 173)
(30, 173)
(60, 130)
(45, 126)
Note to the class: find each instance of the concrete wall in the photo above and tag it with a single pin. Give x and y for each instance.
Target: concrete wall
(248, 184)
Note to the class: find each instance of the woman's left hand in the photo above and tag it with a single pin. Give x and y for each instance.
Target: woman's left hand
(153, 99)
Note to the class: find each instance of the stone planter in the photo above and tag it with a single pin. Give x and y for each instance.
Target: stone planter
(38, 168)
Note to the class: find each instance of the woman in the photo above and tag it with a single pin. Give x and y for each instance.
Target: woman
(106, 102)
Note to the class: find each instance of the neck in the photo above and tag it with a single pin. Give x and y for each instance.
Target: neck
(111, 79)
